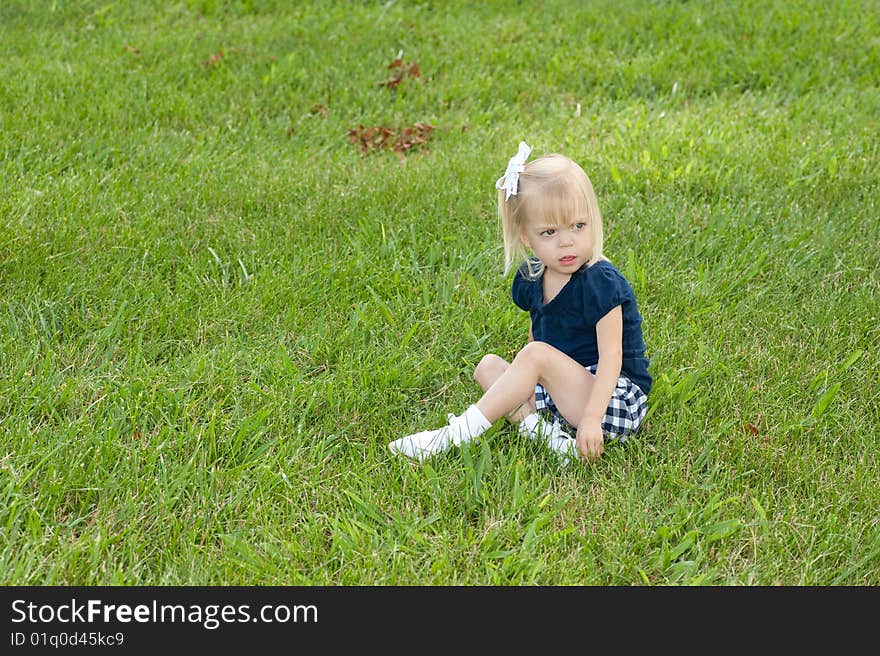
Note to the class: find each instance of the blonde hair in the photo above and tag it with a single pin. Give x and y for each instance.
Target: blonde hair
(553, 190)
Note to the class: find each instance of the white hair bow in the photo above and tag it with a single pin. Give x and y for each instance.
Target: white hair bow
(517, 164)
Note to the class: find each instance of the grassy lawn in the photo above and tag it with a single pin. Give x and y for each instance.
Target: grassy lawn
(217, 306)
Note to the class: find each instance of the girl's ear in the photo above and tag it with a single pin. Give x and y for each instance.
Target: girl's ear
(523, 238)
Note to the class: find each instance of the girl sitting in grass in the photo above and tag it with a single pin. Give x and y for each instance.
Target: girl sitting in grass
(583, 376)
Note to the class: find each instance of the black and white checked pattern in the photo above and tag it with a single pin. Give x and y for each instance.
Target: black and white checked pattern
(624, 415)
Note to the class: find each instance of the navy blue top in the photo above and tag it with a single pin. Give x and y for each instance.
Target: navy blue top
(568, 322)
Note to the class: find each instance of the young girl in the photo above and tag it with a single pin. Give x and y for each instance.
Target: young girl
(583, 374)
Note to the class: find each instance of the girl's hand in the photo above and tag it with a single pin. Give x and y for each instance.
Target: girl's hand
(590, 441)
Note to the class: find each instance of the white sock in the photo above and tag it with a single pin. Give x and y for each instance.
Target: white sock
(468, 425)
(550, 434)
(539, 428)
(529, 425)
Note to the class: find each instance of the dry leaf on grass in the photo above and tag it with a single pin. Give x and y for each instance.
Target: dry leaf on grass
(401, 70)
(380, 137)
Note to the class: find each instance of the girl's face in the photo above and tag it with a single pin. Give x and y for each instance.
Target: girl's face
(561, 248)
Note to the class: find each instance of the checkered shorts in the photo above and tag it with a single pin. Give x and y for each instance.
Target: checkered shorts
(624, 415)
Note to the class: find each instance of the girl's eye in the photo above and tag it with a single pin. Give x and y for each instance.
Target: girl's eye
(549, 232)
(580, 225)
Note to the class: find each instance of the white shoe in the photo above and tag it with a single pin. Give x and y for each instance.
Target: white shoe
(421, 446)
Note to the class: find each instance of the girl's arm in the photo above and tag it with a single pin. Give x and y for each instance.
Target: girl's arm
(609, 333)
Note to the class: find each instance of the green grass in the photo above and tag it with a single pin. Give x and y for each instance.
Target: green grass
(215, 311)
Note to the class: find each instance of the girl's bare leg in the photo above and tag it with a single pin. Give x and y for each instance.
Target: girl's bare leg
(490, 369)
(509, 390)
(567, 382)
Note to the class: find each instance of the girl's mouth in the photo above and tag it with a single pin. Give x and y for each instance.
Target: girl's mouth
(568, 259)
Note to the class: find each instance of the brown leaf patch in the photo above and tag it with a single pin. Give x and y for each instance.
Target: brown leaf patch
(319, 110)
(367, 139)
(412, 136)
(400, 140)
(401, 70)
(213, 60)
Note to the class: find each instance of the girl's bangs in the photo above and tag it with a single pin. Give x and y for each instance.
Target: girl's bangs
(557, 207)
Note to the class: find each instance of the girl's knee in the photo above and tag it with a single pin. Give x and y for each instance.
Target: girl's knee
(534, 352)
(489, 366)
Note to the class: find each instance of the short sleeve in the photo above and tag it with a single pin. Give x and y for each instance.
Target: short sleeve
(604, 289)
(521, 290)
